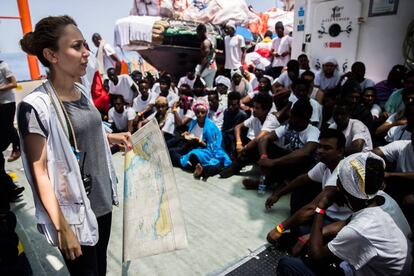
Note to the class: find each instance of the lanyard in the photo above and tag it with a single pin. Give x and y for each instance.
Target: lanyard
(75, 148)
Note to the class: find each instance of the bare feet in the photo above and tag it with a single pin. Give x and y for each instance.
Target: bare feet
(198, 171)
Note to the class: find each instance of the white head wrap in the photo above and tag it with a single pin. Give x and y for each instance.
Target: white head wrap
(236, 71)
(268, 77)
(231, 24)
(352, 173)
(330, 60)
(223, 80)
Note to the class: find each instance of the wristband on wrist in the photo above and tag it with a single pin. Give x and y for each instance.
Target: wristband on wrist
(320, 211)
(139, 114)
(174, 110)
(279, 228)
(239, 143)
(263, 156)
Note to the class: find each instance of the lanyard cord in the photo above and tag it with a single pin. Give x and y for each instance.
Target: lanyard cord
(66, 117)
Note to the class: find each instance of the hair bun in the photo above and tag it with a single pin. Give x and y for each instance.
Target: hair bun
(27, 43)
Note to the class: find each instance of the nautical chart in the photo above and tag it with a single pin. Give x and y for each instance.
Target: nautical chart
(153, 220)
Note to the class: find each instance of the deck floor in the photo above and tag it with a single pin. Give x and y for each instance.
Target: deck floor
(224, 223)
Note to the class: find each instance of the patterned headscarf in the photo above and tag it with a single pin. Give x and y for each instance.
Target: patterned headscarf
(200, 103)
(353, 172)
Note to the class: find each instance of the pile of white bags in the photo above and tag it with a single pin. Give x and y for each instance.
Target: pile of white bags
(204, 11)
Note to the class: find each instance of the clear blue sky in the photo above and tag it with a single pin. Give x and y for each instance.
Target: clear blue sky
(91, 16)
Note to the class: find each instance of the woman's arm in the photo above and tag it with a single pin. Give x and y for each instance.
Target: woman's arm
(122, 139)
(35, 148)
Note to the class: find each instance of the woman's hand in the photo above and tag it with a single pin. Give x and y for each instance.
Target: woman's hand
(69, 244)
(122, 139)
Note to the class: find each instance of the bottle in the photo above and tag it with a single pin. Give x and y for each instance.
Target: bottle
(261, 190)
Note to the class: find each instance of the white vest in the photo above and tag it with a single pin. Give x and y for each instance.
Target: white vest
(64, 172)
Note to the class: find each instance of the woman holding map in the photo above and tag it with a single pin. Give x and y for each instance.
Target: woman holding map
(66, 152)
(202, 154)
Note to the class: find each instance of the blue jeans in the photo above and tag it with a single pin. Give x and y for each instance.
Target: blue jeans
(291, 266)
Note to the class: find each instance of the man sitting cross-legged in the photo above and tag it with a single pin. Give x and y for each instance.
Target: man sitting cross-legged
(358, 137)
(373, 241)
(296, 143)
(330, 149)
(400, 181)
(259, 124)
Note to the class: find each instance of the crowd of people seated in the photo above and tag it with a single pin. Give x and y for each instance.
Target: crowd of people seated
(339, 143)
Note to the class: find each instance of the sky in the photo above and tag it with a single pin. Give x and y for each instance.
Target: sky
(90, 15)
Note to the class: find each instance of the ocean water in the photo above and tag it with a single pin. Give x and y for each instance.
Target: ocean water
(18, 65)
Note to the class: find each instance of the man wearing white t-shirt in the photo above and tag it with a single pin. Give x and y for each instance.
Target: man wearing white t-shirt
(296, 144)
(399, 182)
(314, 92)
(371, 242)
(280, 51)
(288, 77)
(122, 85)
(300, 90)
(330, 149)
(143, 103)
(368, 100)
(216, 110)
(121, 117)
(402, 132)
(189, 79)
(258, 125)
(358, 137)
(106, 56)
(163, 88)
(234, 48)
(358, 72)
(328, 77)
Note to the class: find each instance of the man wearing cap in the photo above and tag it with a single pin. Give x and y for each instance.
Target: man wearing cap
(280, 52)
(234, 48)
(371, 242)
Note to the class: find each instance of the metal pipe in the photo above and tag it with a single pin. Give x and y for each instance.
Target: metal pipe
(10, 17)
(26, 22)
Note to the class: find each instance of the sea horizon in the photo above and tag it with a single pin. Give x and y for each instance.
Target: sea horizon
(18, 65)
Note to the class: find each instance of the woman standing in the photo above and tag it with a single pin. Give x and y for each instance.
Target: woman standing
(65, 150)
